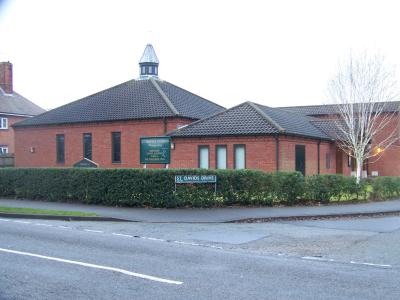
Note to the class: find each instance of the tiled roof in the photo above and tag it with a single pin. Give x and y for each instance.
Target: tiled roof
(331, 109)
(330, 128)
(293, 123)
(134, 99)
(252, 119)
(16, 104)
(189, 104)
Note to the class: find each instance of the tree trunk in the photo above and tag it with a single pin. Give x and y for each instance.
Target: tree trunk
(359, 165)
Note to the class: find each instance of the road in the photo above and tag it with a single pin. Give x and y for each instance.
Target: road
(293, 260)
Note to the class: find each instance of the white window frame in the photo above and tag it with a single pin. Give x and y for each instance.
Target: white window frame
(239, 149)
(221, 157)
(3, 150)
(3, 123)
(204, 164)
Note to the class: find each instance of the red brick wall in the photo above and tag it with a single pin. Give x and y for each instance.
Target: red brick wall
(327, 148)
(7, 135)
(260, 153)
(287, 155)
(342, 161)
(387, 163)
(43, 140)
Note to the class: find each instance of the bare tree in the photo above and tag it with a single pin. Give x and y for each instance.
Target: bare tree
(368, 121)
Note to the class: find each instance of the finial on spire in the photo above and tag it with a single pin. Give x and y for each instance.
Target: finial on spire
(148, 63)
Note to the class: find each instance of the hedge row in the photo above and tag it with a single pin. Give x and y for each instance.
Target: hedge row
(325, 188)
(156, 188)
(386, 187)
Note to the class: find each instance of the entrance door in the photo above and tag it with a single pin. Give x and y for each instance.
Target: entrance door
(301, 159)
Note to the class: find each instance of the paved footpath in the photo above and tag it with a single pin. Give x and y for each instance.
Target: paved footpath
(211, 215)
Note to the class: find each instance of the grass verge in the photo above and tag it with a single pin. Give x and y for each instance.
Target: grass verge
(23, 210)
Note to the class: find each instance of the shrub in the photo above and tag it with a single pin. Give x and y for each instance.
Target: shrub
(288, 187)
(328, 187)
(323, 187)
(156, 187)
(137, 187)
(386, 187)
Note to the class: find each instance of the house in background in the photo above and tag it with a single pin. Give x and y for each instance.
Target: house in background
(13, 108)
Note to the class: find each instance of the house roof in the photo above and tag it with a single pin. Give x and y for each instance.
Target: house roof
(134, 99)
(18, 105)
(332, 109)
(252, 119)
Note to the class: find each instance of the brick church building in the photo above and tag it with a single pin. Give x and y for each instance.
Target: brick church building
(106, 128)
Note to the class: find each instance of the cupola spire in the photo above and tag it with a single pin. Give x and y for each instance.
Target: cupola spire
(148, 63)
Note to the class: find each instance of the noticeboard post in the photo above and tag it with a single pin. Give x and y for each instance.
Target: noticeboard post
(155, 150)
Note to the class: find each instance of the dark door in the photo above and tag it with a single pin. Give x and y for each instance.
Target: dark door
(339, 161)
(301, 159)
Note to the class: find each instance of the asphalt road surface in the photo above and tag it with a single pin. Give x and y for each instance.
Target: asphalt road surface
(291, 260)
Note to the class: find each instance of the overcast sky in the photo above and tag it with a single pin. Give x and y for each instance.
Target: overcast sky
(276, 53)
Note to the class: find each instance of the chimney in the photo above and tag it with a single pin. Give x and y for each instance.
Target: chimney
(6, 77)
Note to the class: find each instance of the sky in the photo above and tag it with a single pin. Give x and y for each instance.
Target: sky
(276, 53)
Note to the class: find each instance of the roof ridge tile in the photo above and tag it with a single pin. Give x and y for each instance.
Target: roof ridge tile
(194, 94)
(164, 97)
(265, 116)
(204, 119)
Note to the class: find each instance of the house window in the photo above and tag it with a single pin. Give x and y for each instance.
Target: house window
(143, 70)
(239, 153)
(328, 161)
(3, 123)
(3, 149)
(60, 148)
(87, 145)
(116, 147)
(220, 159)
(150, 69)
(349, 160)
(204, 157)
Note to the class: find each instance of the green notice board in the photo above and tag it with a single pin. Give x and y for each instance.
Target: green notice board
(155, 150)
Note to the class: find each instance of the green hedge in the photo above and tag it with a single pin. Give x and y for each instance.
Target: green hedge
(386, 187)
(155, 187)
(325, 188)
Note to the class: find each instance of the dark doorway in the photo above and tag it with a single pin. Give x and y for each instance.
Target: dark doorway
(301, 159)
